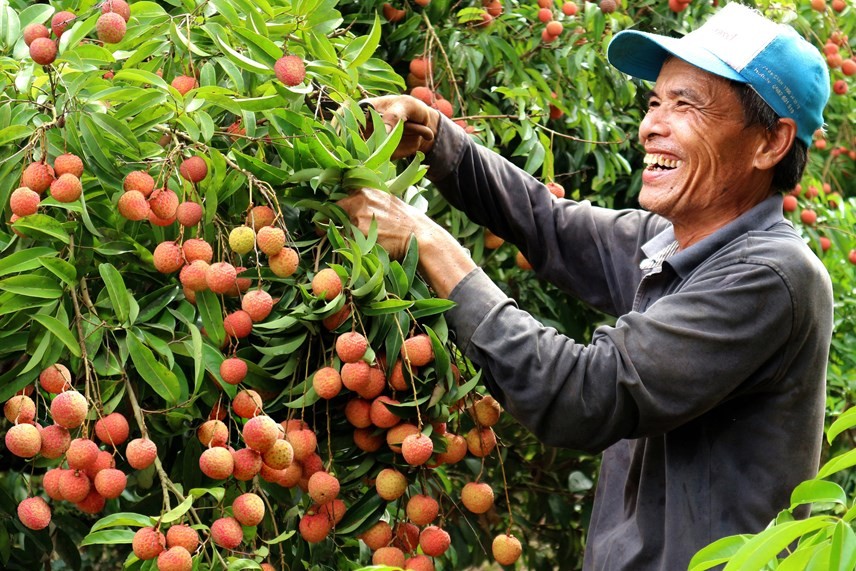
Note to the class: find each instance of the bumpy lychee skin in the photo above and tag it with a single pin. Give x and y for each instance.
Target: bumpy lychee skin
(456, 449)
(217, 463)
(314, 527)
(34, 513)
(68, 163)
(434, 541)
(24, 440)
(93, 503)
(284, 263)
(141, 452)
(390, 484)
(396, 435)
(55, 378)
(175, 559)
(377, 536)
(417, 449)
(248, 509)
(248, 463)
(20, 409)
(81, 453)
(366, 439)
(66, 188)
(117, 6)
(376, 384)
(43, 51)
(167, 257)
(333, 321)
(487, 411)
(270, 240)
(140, 181)
(33, 31)
(290, 70)
(480, 443)
(327, 284)
(132, 205)
(103, 461)
(110, 483)
(237, 324)
(323, 487)
(227, 532)
(74, 485)
(358, 413)
(242, 239)
(51, 483)
(242, 284)
(197, 249)
(422, 509)
(55, 441)
(247, 403)
(351, 346)
(258, 304)
(221, 277)
(356, 376)
(260, 433)
(194, 169)
(303, 442)
(189, 213)
(327, 382)
(192, 276)
(213, 433)
(69, 409)
(279, 456)
(164, 203)
(181, 535)
(24, 201)
(112, 429)
(38, 177)
(419, 563)
(148, 543)
(61, 22)
(418, 350)
(477, 497)
(391, 556)
(381, 416)
(184, 83)
(506, 549)
(406, 537)
(233, 370)
(260, 216)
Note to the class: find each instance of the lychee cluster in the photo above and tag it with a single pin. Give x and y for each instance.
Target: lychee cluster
(62, 180)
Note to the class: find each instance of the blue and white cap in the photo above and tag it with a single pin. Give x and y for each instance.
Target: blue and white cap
(740, 44)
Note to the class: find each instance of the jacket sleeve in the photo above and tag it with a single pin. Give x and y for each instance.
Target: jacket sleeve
(649, 373)
(592, 253)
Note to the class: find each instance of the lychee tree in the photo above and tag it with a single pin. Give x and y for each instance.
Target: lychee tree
(214, 370)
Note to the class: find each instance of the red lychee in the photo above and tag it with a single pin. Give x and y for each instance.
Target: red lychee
(417, 449)
(259, 217)
(66, 188)
(197, 249)
(110, 483)
(247, 403)
(132, 205)
(184, 83)
(194, 169)
(290, 70)
(434, 541)
(43, 51)
(327, 284)
(390, 556)
(81, 453)
(314, 527)
(55, 441)
(396, 435)
(248, 463)
(418, 350)
(323, 487)
(51, 483)
(258, 304)
(381, 416)
(19, 409)
(487, 411)
(34, 513)
(74, 485)
(69, 409)
(422, 509)
(333, 321)
(175, 559)
(406, 536)
(351, 346)
(270, 240)
(456, 449)
(217, 463)
(168, 257)
(421, 67)
(103, 461)
(141, 452)
(192, 276)
(213, 433)
(506, 549)
(112, 429)
(393, 15)
(68, 163)
(33, 31)
(227, 532)
(140, 181)
(38, 177)
(327, 382)
(181, 535)
(356, 376)
(110, 28)
(358, 413)
(238, 324)
(61, 21)
(148, 543)
(233, 370)
(304, 442)
(189, 213)
(260, 433)
(24, 201)
(419, 563)
(248, 509)
(377, 536)
(164, 203)
(93, 503)
(284, 263)
(477, 497)
(390, 484)
(279, 456)
(375, 385)
(118, 6)
(221, 277)
(480, 443)
(23, 440)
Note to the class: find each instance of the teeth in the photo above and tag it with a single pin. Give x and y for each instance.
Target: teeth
(661, 161)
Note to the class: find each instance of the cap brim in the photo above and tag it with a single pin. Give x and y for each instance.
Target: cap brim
(641, 55)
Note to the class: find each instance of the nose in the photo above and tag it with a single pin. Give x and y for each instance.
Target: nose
(655, 123)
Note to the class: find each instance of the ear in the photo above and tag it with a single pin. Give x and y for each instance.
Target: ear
(775, 144)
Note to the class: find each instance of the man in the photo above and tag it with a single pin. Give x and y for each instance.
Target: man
(707, 396)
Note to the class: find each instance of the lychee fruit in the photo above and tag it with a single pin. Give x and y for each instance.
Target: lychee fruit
(55, 441)
(43, 51)
(418, 350)
(189, 213)
(477, 497)
(112, 429)
(148, 543)
(156, 220)
(333, 321)
(33, 31)
(93, 503)
(314, 527)
(110, 483)
(377, 536)
(61, 21)
(24, 201)
(358, 413)
(221, 277)
(68, 163)
(197, 249)
(284, 263)
(422, 509)
(260, 433)
(118, 6)
(375, 385)
(34, 513)
(390, 556)
(506, 549)
(192, 276)
(323, 487)
(168, 257)
(487, 411)
(242, 284)
(393, 15)
(381, 416)
(217, 463)
(258, 304)
(242, 239)
(227, 532)
(233, 370)
(194, 169)
(456, 449)
(19, 409)
(304, 442)
(181, 535)
(248, 463)
(419, 563)
(327, 284)
(421, 67)
(110, 28)
(81, 453)
(140, 181)
(368, 440)
(480, 443)
(213, 433)
(556, 189)
(390, 484)
(290, 70)
(38, 177)
(434, 541)
(175, 559)
(51, 483)
(351, 346)
(356, 376)
(66, 188)
(279, 456)
(607, 6)
(103, 461)
(270, 240)
(259, 217)
(141, 452)
(55, 378)
(164, 203)
(69, 409)
(247, 403)
(406, 536)
(74, 485)
(238, 324)
(184, 83)
(132, 205)
(23, 440)
(417, 449)
(396, 435)
(327, 382)
(248, 509)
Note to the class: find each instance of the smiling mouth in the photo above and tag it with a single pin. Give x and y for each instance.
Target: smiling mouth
(656, 162)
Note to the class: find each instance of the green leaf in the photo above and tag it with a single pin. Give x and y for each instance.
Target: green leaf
(414, 172)
(217, 33)
(717, 552)
(110, 537)
(383, 153)
(141, 76)
(60, 268)
(32, 285)
(216, 492)
(117, 291)
(153, 372)
(386, 306)
(843, 551)
(280, 538)
(838, 463)
(361, 49)
(818, 491)
(212, 316)
(846, 421)
(24, 260)
(14, 133)
(764, 547)
(129, 519)
(37, 225)
(178, 511)
(60, 331)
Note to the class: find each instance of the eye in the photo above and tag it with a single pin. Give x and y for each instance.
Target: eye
(653, 104)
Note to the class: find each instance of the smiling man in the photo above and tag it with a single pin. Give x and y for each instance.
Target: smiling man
(707, 395)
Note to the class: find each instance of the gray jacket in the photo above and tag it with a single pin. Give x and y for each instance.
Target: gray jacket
(706, 397)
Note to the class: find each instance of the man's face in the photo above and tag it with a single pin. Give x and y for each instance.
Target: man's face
(699, 156)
